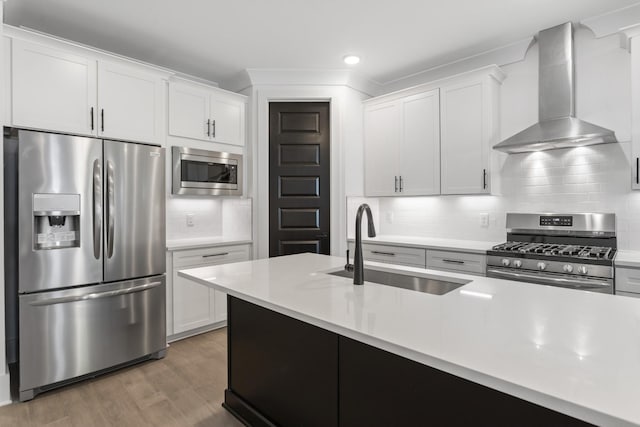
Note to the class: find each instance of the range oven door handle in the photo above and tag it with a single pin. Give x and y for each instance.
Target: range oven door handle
(96, 295)
(584, 282)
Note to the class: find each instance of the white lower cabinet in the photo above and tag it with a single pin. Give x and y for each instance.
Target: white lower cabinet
(195, 307)
(627, 281)
(460, 262)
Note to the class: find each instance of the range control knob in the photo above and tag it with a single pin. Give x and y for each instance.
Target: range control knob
(506, 262)
(542, 266)
(582, 269)
(517, 263)
(567, 268)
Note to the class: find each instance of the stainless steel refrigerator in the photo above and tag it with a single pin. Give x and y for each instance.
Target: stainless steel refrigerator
(85, 255)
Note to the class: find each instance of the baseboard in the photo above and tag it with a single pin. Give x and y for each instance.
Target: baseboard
(5, 389)
(197, 331)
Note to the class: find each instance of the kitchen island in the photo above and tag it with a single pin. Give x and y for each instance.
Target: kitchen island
(306, 345)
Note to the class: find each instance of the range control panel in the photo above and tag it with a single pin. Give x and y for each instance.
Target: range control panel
(557, 221)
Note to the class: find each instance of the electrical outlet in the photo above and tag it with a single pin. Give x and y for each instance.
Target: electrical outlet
(484, 220)
(190, 222)
(389, 217)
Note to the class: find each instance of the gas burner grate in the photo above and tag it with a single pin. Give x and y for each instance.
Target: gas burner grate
(553, 249)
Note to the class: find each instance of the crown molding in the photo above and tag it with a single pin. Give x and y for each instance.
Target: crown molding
(500, 56)
(613, 22)
(299, 77)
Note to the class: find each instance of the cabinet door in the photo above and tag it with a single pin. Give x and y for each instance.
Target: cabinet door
(53, 89)
(381, 141)
(419, 157)
(635, 113)
(227, 120)
(189, 111)
(464, 154)
(192, 305)
(129, 103)
(220, 305)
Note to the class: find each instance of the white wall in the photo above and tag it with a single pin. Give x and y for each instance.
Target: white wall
(584, 179)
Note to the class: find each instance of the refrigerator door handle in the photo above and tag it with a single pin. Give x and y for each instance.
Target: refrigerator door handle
(97, 207)
(96, 295)
(110, 209)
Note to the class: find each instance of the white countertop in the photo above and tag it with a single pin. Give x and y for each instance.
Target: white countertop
(469, 246)
(203, 242)
(626, 258)
(572, 351)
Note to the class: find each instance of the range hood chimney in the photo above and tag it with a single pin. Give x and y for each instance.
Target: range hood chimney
(558, 126)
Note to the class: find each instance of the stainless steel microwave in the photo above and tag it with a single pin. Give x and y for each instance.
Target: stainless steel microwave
(206, 173)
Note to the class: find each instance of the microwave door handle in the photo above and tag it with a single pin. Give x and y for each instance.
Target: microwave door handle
(110, 209)
(97, 208)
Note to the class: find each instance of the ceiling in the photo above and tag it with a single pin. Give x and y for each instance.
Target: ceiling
(215, 39)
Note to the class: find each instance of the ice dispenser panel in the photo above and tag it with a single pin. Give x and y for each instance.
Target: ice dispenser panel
(56, 221)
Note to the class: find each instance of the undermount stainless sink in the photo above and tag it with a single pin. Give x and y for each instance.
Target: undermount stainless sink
(428, 285)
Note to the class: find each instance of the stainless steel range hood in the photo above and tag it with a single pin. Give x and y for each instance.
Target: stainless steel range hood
(557, 126)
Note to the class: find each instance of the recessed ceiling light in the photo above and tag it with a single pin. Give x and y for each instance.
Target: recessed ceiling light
(351, 59)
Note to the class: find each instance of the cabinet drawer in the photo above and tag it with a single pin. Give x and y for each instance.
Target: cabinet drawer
(210, 256)
(627, 280)
(412, 257)
(457, 261)
(628, 294)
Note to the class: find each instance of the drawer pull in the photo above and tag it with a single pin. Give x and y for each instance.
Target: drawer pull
(452, 261)
(211, 255)
(383, 253)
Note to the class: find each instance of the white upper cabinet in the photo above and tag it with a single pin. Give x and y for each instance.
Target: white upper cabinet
(419, 156)
(53, 89)
(635, 112)
(465, 160)
(189, 112)
(60, 89)
(381, 136)
(434, 138)
(402, 146)
(206, 113)
(129, 103)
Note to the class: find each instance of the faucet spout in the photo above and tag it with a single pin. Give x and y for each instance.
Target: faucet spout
(358, 267)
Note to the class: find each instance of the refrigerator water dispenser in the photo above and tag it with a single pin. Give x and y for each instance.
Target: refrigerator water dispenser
(56, 221)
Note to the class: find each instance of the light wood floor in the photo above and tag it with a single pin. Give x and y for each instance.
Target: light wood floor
(184, 389)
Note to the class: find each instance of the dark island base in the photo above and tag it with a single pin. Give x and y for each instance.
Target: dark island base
(284, 372)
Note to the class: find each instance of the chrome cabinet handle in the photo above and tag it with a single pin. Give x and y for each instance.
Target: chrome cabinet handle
(110, 209)
(97, 208)
(213, 125)
(484, 179)
(209, 127)
(97, 295)
(212, 255)
(102, 119)
(383, 253)
(395, 187)
(91, 118)
(401, 183)
(453, 261)
(637, 170)
(561, 280)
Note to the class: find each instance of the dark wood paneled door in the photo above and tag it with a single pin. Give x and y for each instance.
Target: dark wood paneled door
(299, 173)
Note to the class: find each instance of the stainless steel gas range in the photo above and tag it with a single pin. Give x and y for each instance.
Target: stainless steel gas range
(568, 250)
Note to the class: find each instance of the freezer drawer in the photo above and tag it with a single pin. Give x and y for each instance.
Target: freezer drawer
(70, 333)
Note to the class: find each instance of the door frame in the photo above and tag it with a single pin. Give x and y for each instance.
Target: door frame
(332, 95)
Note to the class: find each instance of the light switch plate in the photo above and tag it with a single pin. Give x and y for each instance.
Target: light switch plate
(190, 222)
